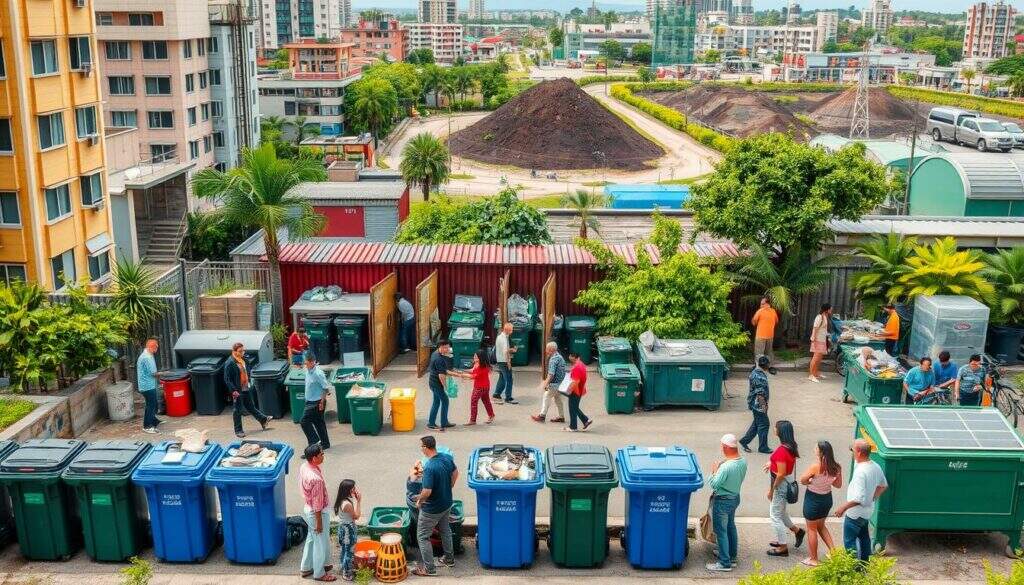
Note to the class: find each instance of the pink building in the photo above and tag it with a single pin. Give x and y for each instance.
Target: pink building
(370, 39)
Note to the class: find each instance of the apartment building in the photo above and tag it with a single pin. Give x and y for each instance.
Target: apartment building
(54, 222)
(828, 25)
(447, 41)
(743, 12)
(370, 39)
(232, 78)
(437, 11)
(878, 16)
(289, 21)
(989, 27)
(476, 10)
(760, 40)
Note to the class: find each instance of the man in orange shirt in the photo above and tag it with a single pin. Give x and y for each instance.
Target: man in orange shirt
(764, 321)
(892, 330)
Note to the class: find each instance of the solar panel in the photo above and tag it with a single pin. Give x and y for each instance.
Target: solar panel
(944, 428)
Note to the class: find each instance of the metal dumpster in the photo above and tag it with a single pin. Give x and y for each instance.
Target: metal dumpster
(950, 469)
(465, 342)
(681, 372)
(614, 350)
(865, 387)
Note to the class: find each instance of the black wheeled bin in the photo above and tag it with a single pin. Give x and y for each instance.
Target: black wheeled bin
(320, 329)
(580, 477)
(351, 330)
(44, 507)
(268, 379)
(101, 478)
(7, 533)
(208, 384)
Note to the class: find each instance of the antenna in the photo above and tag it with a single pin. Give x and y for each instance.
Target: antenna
(860, 123)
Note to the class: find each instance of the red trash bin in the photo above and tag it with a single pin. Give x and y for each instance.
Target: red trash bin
(177, 392)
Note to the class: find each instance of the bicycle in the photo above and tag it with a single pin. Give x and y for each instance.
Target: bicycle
(935, 398)
(1005, 397)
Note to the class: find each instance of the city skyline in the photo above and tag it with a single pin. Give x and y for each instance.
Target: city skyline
(949, 6)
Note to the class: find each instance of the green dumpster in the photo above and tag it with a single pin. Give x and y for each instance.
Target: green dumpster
(866, 387)
(465, 342)
(520, 339)
(350, 330)
(466, 319)
(390, 519)
(343, 378)
(366, 403)
(320, 329)
(681, 372)
(621, 385)
(580, 477)
(614, 350)
(949, 468)
(557, 335)
(7, 531)
(295, 383)
(101, 478)
(580, 329)
(43, 505)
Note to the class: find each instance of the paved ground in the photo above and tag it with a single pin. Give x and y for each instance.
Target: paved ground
(379, 464)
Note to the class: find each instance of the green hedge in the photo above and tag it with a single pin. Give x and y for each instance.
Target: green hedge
(671, 118)
(988, 105)
(592, 79)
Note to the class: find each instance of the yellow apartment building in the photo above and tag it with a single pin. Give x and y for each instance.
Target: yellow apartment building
(54, 217)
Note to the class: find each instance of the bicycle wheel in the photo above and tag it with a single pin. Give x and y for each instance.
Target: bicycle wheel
(1006, 403)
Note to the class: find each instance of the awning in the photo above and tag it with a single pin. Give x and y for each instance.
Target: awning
(97, 244)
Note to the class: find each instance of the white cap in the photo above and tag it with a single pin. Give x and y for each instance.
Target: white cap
(729, 440)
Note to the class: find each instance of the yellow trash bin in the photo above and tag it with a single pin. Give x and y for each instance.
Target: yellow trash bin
(403, 409)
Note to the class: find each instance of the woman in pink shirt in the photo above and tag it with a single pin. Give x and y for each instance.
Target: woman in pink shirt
(316, 512)
(820, 478)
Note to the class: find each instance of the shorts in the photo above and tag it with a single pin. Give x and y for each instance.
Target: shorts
(819, 347)
(816, 506)
(297, 359)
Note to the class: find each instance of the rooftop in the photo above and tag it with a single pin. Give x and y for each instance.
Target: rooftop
(363, 190)
(986, 175)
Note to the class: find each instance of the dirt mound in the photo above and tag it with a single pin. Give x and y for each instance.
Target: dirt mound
(555, 125)
(888, 114)
(734, 110)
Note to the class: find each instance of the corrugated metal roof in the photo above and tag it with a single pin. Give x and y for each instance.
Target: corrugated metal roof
(986, 175)
(356, 190)
(966, 227)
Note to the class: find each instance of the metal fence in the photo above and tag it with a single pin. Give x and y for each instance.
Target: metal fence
(198, 278)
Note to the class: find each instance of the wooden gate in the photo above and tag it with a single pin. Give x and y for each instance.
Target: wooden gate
(547, 312)
(383, 322)
(428, 321)
(502, 301)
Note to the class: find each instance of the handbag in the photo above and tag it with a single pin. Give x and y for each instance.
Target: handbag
(707, 529)
(451, 387)
(564, 387)
(792, 491)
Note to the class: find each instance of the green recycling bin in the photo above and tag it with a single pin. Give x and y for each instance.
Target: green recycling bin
(366, 403)
(614, 350)
(557, 329)
(343, 379)
(43, 505)
(867, 387)
(350, 329)
(466, 319)
(101, 478)
(295, 383)
(580, 477)
(320, 329)
(621, 386)
(681, 372)
(395, 519)
(465, 342)
(581, 335)
(520, 339)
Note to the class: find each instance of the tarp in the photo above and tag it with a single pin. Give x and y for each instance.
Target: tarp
(647, 196)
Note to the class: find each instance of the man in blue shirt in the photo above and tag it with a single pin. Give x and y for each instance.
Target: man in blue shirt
(971, 381)
(757, 403)
(920, 380)
(316, 391)
(945, 372)
(407, 329)
(146, 372)
(435, 503)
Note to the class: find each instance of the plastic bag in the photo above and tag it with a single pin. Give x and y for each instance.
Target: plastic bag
(192, 440)
(451, 387)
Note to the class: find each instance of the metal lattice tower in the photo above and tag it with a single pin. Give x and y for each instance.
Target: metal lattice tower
(860, 123)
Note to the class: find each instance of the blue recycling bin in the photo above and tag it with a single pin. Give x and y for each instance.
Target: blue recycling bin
(252, 507)
(184, 521)
(658, 483)
(506, 514)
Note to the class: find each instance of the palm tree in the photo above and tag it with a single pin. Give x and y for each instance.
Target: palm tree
(431, 79)
(303, 129)
(941, 269)
(888, 257)
(584, 203)
(1005, 270)
(258, 195)
(968, 75)
(1016, 84)
(375, 104)
(783, 279)
(425, 162)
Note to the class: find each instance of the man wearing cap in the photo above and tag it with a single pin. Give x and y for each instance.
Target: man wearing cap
(316, 512)
(317, 389)
(726, 479)
(757, 402)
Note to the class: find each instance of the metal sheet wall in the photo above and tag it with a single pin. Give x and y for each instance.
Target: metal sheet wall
(381, 223)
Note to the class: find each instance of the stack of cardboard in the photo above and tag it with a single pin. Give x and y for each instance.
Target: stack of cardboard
(235, 310)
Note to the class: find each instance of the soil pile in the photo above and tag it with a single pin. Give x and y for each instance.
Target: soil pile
(735, 111)
(889, 114)
(555, 125)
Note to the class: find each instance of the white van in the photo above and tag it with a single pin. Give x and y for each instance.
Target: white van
(943, 122)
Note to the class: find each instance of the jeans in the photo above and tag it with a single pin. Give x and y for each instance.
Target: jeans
(149, 414)
(439, 402)
(317, 547)
(552, 396)
(504, 382)
(856, 536)
(723, 520)
(575, 413)
(407, 335)
(347, 544)
(890, 347)
(313, 425)
(481, 395)
(244, 402)
(758, 426)
(424, 528)
(970, 399)
(779, 515)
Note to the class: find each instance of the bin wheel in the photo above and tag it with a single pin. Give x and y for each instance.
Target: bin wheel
(622, 541)
(271, 562)
(846, 398)
(1009, 552)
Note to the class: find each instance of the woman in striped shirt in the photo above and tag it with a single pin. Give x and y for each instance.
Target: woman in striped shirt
(316, 512)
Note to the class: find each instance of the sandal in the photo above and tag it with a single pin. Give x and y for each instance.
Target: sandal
(809, 563)
(778, 553)
(327, 578)
(471, 423)
(306, 574)
(490, 420)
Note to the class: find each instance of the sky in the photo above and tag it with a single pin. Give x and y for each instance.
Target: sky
(948, 6)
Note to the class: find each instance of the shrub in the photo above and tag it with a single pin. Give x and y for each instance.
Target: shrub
(592, 79)
(502, 219)
(840, 567)
(988, 105)
(671, 117)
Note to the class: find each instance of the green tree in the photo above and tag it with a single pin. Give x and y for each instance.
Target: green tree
(135, 296)
(1005, 270)
(374, 106)
(782, 281)
(712, 56)
(420, 57)
(1016, 83)
(968, 74)
(259, 194)
(402, 76)
(556, 37)
(641, 53)
(426, 162)
(777, 193)
(1006, 65)
(611, 50)
(645, 74)
(584, 203)
(303, 128)
(501, 219)
(830, 46)
(887, 257)
(941, 269)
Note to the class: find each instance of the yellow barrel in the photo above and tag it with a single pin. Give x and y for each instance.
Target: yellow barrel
(403, 409)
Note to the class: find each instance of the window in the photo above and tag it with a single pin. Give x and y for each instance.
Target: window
(193, 149)
(99, 266)
(222, 167)
(85, 122)
(44, 57)
(92, 189)
(62, 269)
(191, 116)
(218, 139)
(217, 108)
(104, 18)
(214, 76)
(9, 214)
(158, 86)
(186, 48)
(202, 79)
(6, 142)
(190, 82)
(140, 19)
(213, 45)
(118, 50)
(121, 85)
(153, 50)
(289, 108)
(124, 119)
(207, 143)
(205, 111)
(51, 130)
(58, 202)
(80, 51)
(11, 272)
(162, 152)
(162, 119)
(201, 47)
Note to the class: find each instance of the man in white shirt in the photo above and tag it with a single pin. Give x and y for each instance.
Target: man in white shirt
(503, 351)
(866, 486)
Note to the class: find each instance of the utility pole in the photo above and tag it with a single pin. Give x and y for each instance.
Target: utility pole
(904, 208)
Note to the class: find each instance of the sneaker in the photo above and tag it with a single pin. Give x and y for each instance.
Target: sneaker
(745, 447)
(159, 421)
(496, 399)
(511, 401)
(558, 420)
(587, 424)
(448, 561)
(717, 567)
(424, 572)
(490, 419)
(266, 422)
(150, 430)
(240, 435)
(813, 379)
(568, 430)
(537, 417)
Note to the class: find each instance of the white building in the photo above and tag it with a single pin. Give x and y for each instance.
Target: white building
(447, 41)
(232, 75)
(884, 67)
(793, 13)
(760, 40)
(476, 10)
(878, 16)
(288, 21)
(437, 11)
(989, 27)
(743, 12)
(828, 25)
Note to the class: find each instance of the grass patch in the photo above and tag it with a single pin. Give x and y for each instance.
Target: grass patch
(790, 355)
(14, 409)
(806, 119)
(595, 183)
(382, 163)
(553, 201)
(686, 181)
(461, 176)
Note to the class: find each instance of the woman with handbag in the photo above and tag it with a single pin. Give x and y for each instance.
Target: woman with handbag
(783, 489)
(820, 478)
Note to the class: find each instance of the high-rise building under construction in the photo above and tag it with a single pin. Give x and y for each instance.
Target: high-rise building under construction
(675, 25)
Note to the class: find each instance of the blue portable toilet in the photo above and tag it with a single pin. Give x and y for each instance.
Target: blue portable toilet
(183, 520)
(252, 506)
(506, 513)
(658, 483)
(647, 196)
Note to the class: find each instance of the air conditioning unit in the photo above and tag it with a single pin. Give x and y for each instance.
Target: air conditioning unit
(81, 3)
(94, 139)
(85, 69)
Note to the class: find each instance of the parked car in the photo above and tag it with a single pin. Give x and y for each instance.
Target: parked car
(984, 134)
(943, 122)
(1016, 132)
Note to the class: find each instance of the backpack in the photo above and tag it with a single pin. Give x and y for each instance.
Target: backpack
(296, 531)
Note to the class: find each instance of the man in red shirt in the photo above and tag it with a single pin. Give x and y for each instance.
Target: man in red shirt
(298, 343)
(577, 388)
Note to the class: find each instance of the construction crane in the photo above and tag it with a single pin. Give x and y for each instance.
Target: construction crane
(860, 123)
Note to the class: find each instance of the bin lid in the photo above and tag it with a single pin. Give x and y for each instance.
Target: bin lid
(296, 376)
(6, 448)
(42, 455)
(619, 372)
(220, 473)
(206, 364)
(682, 351)
(402, 394)
(350, 320)
(158, 466)
(468, 303)
(613, 344)
(173, 375)
(580, 323)
(109, 457)
(659, 465)
(271, 369)
(579, 461)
